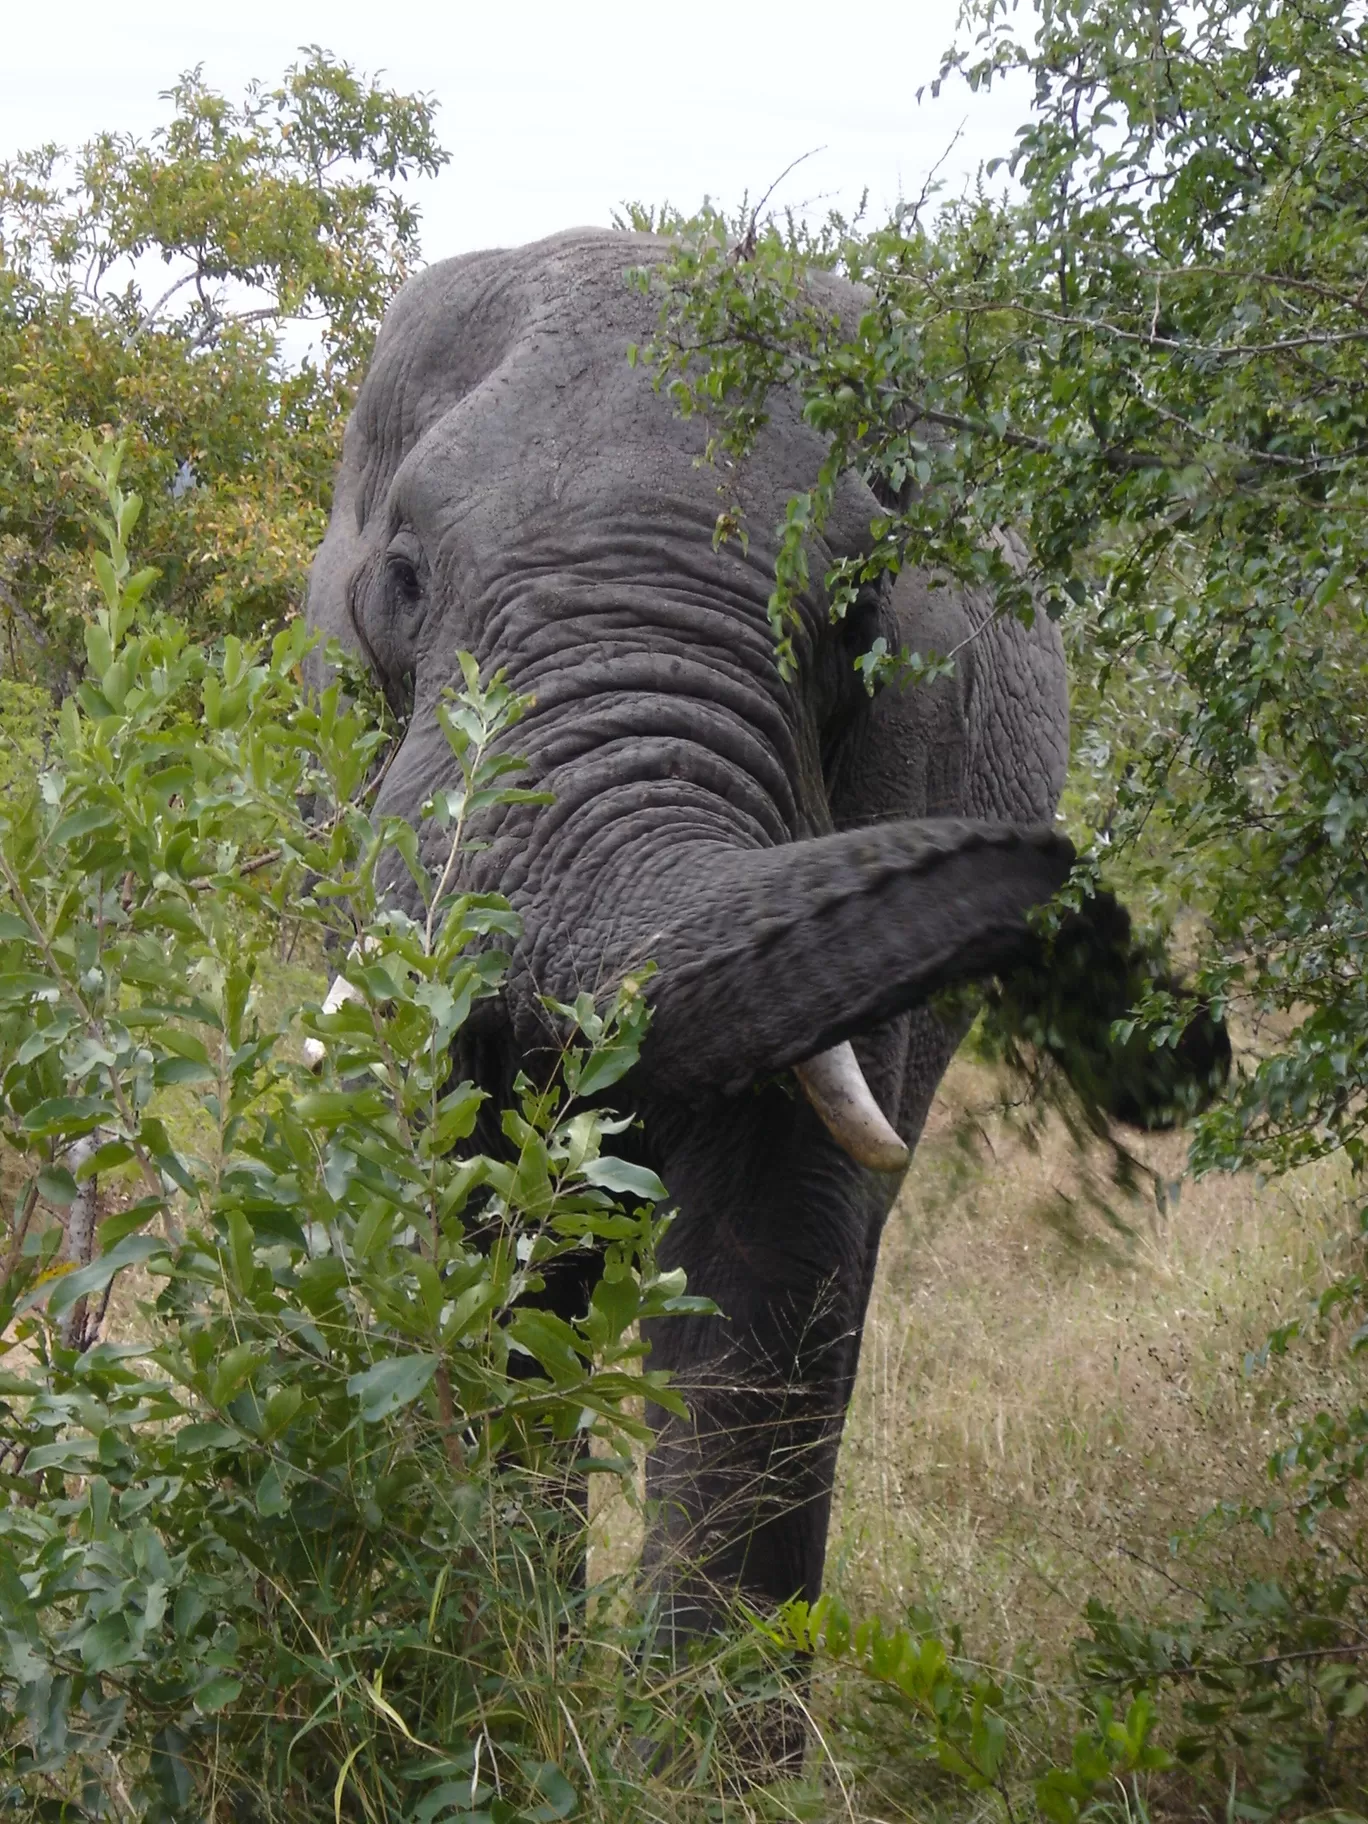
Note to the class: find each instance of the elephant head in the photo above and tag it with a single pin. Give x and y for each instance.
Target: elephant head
(804, 866)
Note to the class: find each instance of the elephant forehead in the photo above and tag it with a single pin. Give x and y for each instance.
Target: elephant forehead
(506, 375)
(457, 324)
(561, 426)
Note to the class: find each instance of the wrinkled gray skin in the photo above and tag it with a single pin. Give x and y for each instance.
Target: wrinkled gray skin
(803, 865)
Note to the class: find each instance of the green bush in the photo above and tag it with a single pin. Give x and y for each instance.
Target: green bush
(306, 1535)
(26, 718)
(145, 285)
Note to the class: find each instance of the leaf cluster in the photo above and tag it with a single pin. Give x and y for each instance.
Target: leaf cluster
(303, 1532)
(1129, 392)
(144, 289)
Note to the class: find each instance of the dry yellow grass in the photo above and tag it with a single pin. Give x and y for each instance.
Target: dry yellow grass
(1043, 1403)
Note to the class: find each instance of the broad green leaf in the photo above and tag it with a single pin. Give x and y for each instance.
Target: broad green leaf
(69, 1116)
(621, 1176)
(20, 987)
(182, 1070)
(129, 1252)
(391, 1384)
(82, 823)
(206, 1435)
(69, 1454)
(217, 1692)
(57, 1186)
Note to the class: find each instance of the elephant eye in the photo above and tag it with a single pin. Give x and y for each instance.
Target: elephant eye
(405, 584)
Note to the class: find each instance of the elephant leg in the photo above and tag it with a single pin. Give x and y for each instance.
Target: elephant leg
(742, 1488)
(739, 1497)
(781, 1230)
(776, 1225)
(739, 1492)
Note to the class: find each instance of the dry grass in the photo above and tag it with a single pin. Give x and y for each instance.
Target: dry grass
(1048, 1407)
(1043, 1402)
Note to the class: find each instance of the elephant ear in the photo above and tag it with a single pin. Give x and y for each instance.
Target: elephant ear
(989, 741)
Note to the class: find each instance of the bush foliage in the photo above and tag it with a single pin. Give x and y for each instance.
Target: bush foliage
(245, 1545)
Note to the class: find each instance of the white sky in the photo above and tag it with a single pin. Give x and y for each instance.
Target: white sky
(553, 113)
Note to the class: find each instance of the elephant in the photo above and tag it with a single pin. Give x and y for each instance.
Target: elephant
(806, 865)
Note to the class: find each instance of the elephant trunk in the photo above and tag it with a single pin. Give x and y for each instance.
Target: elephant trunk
(685, 831)
(770, 957)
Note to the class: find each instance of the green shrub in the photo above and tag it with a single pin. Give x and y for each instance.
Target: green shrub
(26, 718)
(145, 285)
(306, 1536)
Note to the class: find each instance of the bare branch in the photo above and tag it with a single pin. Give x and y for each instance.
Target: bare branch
(149, 317)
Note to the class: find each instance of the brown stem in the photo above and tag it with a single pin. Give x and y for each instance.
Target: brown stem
(446, 1407)
(21, 1223)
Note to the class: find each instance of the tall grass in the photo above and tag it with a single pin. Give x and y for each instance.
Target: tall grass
(1051, 1409)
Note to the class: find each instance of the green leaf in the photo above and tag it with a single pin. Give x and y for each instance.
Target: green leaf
(558, 1796)
(106, 1158)
(233, 1372)
(281, 1409)
(82, 823)
(130, 1252)
(69, 1454)
(107, 1645)
(67, 1116)
(330, 1108)
(168, 1071)
(57, 1186)
(128, 1221)
(273, 1494)
(607, 1066)
(24, 986)
(620, 1176)
(550, 1341)
(217, 1693)
(391, 1384)
(207, 1434)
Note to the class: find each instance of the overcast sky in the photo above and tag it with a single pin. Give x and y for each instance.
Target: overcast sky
(553, 113)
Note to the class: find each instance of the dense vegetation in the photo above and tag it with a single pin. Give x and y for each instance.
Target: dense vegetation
(274, 1550)
(289, 1462)
(143, 290)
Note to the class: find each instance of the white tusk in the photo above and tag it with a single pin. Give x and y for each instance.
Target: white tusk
(834, 1084)
(340, 992)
